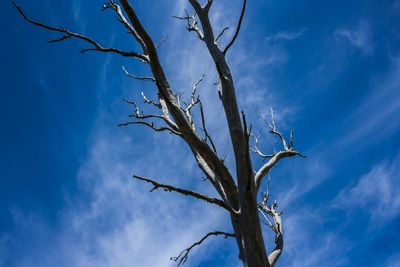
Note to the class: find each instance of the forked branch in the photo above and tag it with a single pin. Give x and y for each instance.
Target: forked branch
(170, 188)
(183, 256)
(208, 5)
(193, 102)
(69, 34)
(256, 148)
(141, 118)
(287, 152)
(191, 24)
(276, 226)
(122, 19)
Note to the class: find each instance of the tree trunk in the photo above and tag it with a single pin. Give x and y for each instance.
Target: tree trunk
(248, 233)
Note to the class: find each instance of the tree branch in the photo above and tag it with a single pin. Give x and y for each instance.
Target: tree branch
(271, 163)
(150, 125)
(151, 102)
(183, 256)
(68, 34)
(203, 153)
(237, 28)
(221, 33)
(193, 101)
(287, 152)
(207, 135)
(170, 188)
(142, 117)
(163, 40)
(276, 226)
(256, 148)
(111, 4)
(191, 24)
(140, 78)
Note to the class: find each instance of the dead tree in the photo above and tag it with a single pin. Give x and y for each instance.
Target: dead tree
(238, 195)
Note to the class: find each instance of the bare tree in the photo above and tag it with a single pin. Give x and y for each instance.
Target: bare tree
(238, 195)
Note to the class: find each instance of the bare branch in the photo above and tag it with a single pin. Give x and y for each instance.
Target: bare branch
(276, 226)
(111, 4)
(287, 152)
(221, 33)
(193, 101)
(203, 122)
(170, 188)
(273, 130)
(138, 114)
(183, 256)
(137, 77)
(62, 38)
(281, 137)
(271, 163)
(191, 24)
(96, 46)
(147, 101)
(162, 41)
(237, 28)
(150, 125)
(256, 148)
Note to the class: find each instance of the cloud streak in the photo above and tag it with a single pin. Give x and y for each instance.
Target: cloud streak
(286, 35)
(360, 38)
(375, 192)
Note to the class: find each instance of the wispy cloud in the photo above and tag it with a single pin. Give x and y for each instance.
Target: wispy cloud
(375, 116)
(286, 35)
(375, 192)
(304, 247)
(77, 15)
(315, 172)
(360, 37)
(116, 221)
(393, 261)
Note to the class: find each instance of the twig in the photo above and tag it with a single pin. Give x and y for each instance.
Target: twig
(221, 33)
(183, 256)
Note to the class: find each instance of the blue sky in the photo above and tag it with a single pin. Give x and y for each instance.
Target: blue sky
(330, 70)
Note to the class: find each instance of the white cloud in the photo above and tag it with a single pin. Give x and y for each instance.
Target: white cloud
(286, 35)
(308, 244)
(375, 116)
(393, 261)
(375, 192)
(315, 172)
(116, 221)
(361, 37)
(77, 15)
